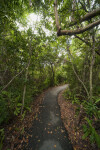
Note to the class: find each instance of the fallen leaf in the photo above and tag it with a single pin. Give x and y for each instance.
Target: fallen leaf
(9, 128)
(62, 131)
(49, 124)
(38, 140)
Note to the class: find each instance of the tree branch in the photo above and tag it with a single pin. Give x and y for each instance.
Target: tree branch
(78, 31)
(97, 52)
(82, 40)
(83, 6)
(56, 16)
(88, 16)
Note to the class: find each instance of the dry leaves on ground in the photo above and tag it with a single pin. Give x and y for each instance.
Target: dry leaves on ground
(70, 120)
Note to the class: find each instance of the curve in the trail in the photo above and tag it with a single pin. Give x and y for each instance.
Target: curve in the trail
(48, 132)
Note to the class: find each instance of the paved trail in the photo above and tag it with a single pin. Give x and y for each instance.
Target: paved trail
(48, 132)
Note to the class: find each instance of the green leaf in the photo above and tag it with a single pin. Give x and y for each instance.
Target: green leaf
(19, 104)
(97, 138)
(97, 101)
(85, 135)
(28, 108)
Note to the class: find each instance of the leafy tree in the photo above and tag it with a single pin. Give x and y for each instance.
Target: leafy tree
(75, 10)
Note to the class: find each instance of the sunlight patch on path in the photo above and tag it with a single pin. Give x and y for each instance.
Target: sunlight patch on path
(51, 145)
(53, 118)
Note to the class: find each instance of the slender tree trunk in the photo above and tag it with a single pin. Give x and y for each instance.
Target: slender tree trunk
(1, 81)
(77, 74)
(91, 71)
(80, 81)
(24, 91)
(84, 68)
(26, 75)
(53, 74)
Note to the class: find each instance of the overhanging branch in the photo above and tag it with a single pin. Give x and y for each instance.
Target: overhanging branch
(83, 40)
(88, 16)
(97, 52)
(78, 31)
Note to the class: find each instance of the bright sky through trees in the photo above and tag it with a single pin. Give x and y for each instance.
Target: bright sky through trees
(32, 21)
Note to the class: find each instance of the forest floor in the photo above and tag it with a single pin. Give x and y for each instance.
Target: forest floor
(43, 129)
(73, 124)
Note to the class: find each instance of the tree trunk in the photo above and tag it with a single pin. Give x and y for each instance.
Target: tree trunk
(53, 75)
(91, 71)
(24, 91)
(77, 74)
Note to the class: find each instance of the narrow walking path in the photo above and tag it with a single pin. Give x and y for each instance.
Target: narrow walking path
(48, 132)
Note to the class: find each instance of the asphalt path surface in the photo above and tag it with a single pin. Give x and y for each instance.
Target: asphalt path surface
(48, 132)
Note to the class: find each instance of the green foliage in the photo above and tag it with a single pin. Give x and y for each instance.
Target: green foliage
(97, 101)
(22, 131)
(9, 105)
(28, 108)
(61, 76)
(67, 93)
(2, 136)
(23, 115)
(92, 109)
(18, 109)
(91, 132)
(75, 100)
(3, 109)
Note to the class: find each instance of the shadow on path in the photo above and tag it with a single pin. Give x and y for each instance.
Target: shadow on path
(48, 132)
